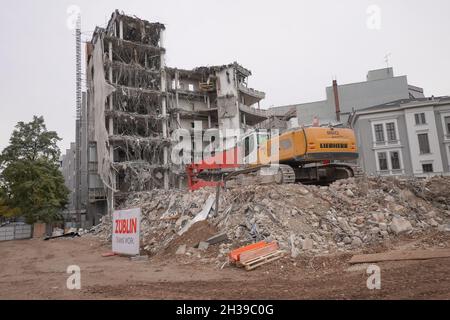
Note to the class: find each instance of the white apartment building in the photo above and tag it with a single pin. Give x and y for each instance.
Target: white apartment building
(406, 137)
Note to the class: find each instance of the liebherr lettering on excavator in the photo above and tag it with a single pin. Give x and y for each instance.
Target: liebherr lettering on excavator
(306, 155)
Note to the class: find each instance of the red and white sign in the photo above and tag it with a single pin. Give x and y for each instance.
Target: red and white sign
(126, 231)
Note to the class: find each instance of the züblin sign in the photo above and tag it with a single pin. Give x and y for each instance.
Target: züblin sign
(126, 231)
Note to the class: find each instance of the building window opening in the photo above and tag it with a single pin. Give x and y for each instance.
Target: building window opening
(447, 125)
(420, 118)
(395, 160)
(379, 134)
(391, 134)
(382, 161)
(424, 143)
(427, 167)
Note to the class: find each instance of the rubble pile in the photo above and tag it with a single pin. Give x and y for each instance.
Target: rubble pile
(346, 215)
(435, 190)
(163, 214)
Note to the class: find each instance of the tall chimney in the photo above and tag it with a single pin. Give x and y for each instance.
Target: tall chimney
(336, 100)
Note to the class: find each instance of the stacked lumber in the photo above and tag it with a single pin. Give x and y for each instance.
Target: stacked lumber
(255, 255)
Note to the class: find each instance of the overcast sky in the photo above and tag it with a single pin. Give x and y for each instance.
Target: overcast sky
(294, 48)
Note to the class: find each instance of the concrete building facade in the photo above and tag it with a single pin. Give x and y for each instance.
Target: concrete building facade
(73, 212)
(381, 86)
(136, 102)
(406, 137)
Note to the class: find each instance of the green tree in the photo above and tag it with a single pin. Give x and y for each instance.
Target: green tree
(32, 184)
(5, 209)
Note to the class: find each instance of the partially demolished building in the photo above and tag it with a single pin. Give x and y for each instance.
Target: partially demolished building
(135, 102)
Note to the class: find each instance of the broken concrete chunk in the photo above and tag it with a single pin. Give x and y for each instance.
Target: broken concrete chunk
(344, 225)
(203, 246)
(378, 216)
(303, 191)
(382, 226)
(181, 250)
(307, 244)
(274, 196)
(407, 196)
(400, 225)
(398, 208)
(444, 227)
(357, 242)
(181, 222)
(220, 237)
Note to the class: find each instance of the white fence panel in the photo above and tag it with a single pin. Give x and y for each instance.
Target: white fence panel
(15, 232)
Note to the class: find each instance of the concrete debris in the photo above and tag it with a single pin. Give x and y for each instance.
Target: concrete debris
(201, 216)
(181, 250)
(307, 244)
(221, 237)
(400, 225)
(203, 246)
(444, 228)
(322, 220)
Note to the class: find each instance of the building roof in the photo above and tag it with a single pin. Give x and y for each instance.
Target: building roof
(404, 103)
(400, 105)
(211, 69)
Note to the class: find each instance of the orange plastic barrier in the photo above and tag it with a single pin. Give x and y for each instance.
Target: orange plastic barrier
(256, 253)
(236, 254)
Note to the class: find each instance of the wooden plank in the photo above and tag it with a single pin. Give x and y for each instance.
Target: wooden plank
(262, 261)
(253, 254)
(397, 255)
(261, 258)
(253, 267)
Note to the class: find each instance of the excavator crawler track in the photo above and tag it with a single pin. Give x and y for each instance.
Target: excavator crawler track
(287, 173)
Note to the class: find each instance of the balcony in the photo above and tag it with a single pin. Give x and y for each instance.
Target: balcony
(252, 115)
(251, 96)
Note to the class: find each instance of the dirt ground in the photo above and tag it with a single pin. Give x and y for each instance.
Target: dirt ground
(36, 269)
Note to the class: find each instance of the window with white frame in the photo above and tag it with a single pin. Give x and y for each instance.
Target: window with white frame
(420, 118)
(391, 133)
(447, 124)
(385, 132)
(389, 161)
(395, 160)
(424, 143)
(382, 161)
(448, 157)
(379, 132)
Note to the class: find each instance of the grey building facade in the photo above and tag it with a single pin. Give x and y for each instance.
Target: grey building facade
(407, 137)
(68, 167)
(381, 86)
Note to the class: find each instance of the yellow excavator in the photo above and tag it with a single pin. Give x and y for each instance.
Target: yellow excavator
(307, 155)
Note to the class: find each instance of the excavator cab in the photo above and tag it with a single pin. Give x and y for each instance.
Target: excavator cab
(250, 143)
